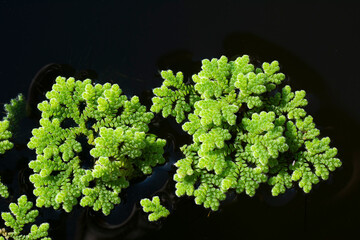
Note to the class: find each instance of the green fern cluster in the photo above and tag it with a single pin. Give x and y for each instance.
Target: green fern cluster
(5, 145)
(154, 206)
(247, 129)
(21, 215)
(176, 102)
(5, 135)
(116, 130)
(14, 111)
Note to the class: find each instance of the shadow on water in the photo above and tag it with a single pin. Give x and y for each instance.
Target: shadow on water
(294, 211)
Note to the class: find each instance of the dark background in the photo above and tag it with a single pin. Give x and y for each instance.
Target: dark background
(128, 42)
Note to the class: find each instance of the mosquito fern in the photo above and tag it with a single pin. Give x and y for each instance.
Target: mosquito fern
(247, 129)
(14, 111)
(114, 127)
(155, 208)
(21, 215)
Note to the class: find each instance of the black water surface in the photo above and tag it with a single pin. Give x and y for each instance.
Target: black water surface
(128, 43)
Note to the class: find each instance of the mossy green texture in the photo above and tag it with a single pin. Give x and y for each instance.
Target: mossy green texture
(115, 129)
(171, 102)
(5, 145)
(14, 111)
(155, 208)
(247, 128)
(21, 215)
(5, 135)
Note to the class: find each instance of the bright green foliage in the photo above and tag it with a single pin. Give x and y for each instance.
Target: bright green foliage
(116, 131)
(247, 129)
(172, 95)
(154, 206)
(5, 135)
(3, 190)
(263, 145)
(21, 215)
(14, 111)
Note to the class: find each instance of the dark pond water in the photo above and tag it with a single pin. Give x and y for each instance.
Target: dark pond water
(128, 43)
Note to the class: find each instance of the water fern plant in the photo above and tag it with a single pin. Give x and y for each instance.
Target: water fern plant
(116, 131)
(13, 113)
(247, 128)
(5, 145)
(20, 216)
(155, 208)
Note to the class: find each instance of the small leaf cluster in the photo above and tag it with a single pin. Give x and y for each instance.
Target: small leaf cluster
(14, 111)
(247, 128)
(5, 135)
(174, 97)
(115, 129)
(155, 208)
(5, 145)
(21, 215)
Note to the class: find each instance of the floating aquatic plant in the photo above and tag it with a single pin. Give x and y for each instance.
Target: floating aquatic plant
(13, 113)
(20, 216)
(247, 128)
(5, 145)
(155, 208)
(5, 135)
(115, 129)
